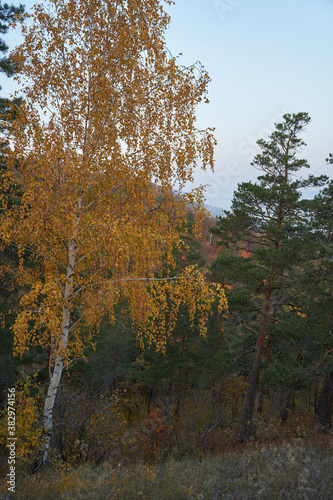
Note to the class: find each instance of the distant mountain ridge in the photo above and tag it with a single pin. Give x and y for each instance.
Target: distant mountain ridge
(215, 211)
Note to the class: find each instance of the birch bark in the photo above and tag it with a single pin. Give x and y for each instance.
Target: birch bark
(65, 325)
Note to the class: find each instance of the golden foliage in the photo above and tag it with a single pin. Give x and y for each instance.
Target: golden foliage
(105, 136)
(28, 428)
(105, 133)
(165, 298)
(108, 114)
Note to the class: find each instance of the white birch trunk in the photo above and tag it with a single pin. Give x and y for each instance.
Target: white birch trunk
(59, 363)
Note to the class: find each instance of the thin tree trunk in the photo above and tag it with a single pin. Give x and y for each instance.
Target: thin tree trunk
(325, 404)
(59, 362)
(260, 402)
(218, 348)
(291, 397)
(284, 411)
(180, 376)
(150, 398)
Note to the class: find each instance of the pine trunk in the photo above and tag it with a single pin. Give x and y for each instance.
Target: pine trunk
(248, 428)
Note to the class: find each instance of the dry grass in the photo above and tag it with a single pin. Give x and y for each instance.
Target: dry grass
(301, 469)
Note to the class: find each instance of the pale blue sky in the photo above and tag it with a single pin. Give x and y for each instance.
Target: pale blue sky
(265, 58)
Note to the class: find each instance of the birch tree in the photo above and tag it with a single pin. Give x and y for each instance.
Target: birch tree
(106, 131)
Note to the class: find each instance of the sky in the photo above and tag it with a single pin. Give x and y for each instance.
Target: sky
(265, 58)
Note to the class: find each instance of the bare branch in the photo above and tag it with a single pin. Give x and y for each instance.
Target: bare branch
(123, 280)
(249, 328)
(243, 354)
(327, 353)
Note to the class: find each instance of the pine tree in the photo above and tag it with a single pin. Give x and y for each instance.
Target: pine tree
(8, 14)
(266, 223)
(8, 107)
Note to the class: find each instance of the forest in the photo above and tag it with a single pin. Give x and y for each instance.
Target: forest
(149, 350)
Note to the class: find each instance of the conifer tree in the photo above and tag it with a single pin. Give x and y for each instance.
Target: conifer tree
(8, 107)
(266, 222)
(8, 14)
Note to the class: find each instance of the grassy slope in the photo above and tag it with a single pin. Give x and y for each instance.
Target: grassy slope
(296, 470)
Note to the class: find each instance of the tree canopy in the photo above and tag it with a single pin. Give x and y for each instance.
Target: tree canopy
(105, 133)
